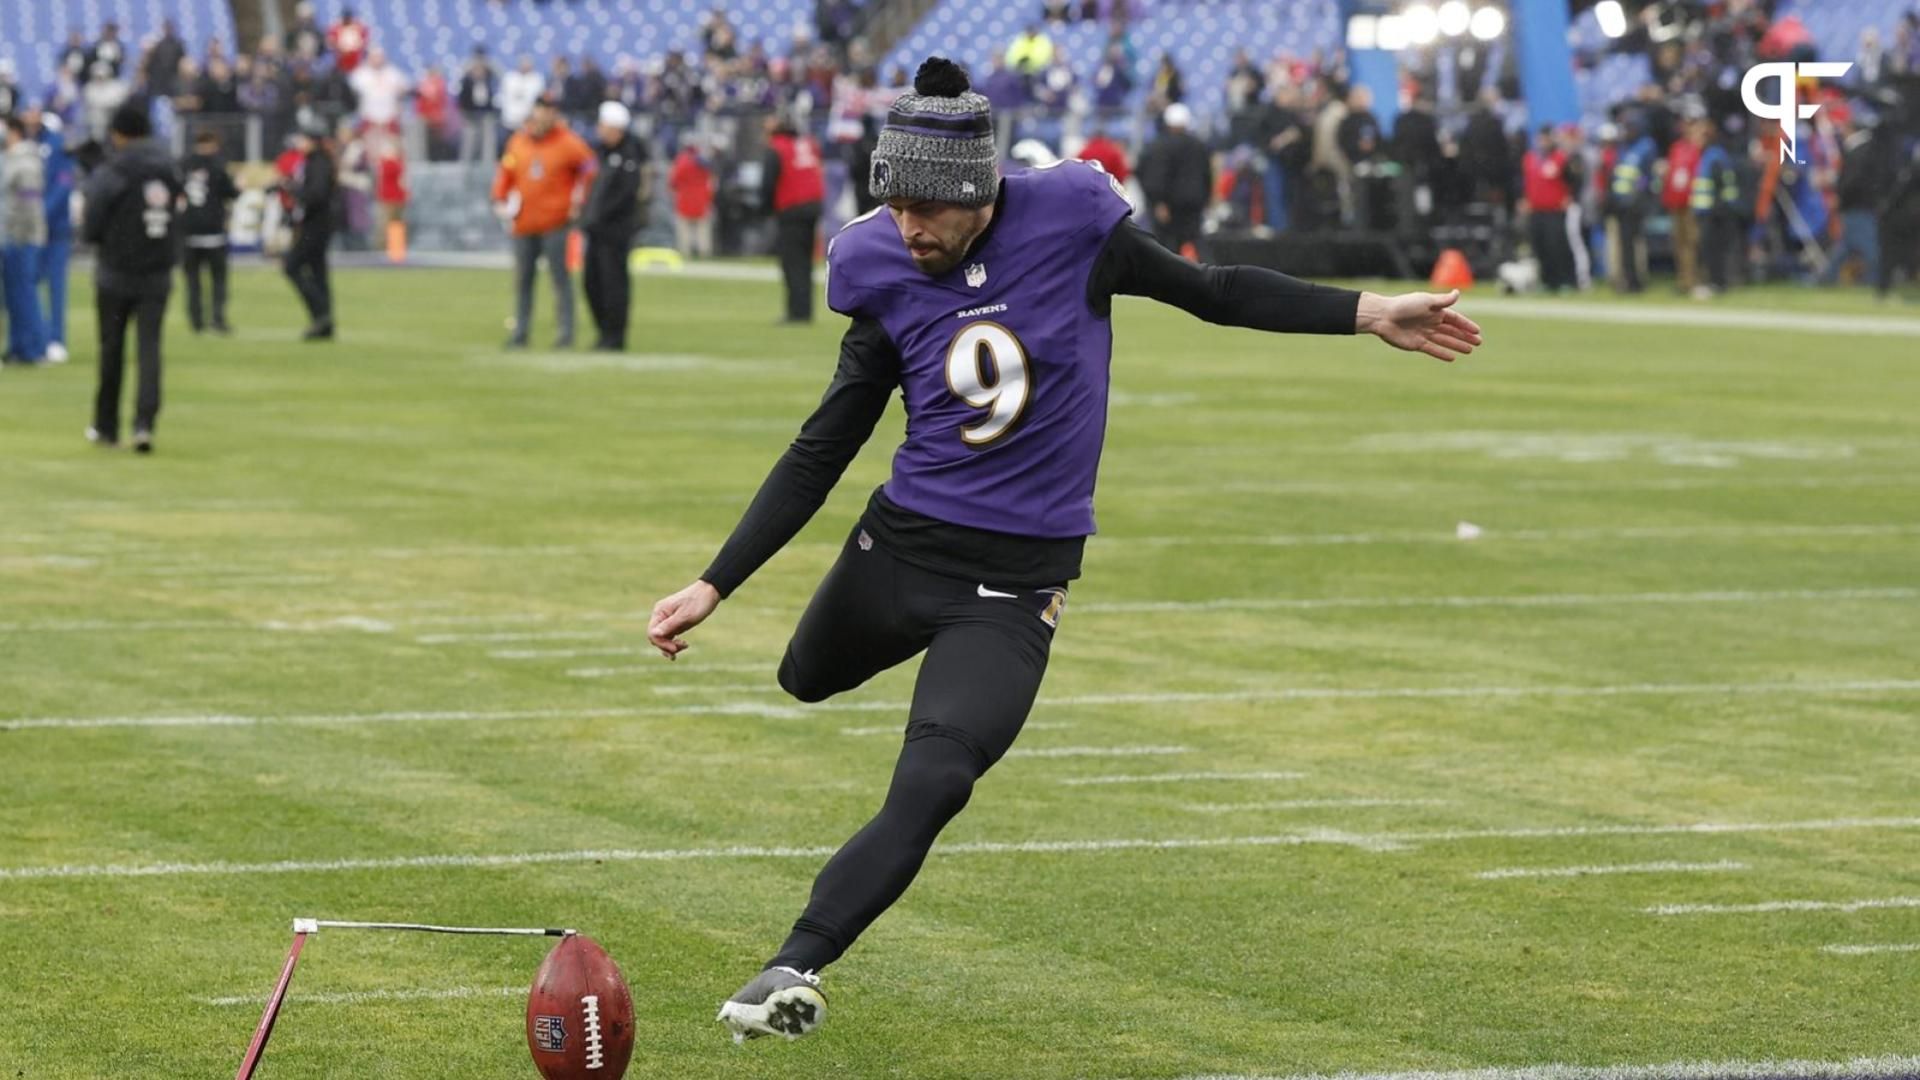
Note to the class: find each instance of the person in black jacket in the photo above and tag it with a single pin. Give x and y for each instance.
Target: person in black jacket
(306, 259)
(610, 219)
(130, 220)
(1868, 171)
(1177, 173)
(210, 192)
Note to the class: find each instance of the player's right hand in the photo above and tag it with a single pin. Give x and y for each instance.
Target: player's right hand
(679, 613)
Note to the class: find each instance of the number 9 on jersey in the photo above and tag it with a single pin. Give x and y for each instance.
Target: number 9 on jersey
(987, 368)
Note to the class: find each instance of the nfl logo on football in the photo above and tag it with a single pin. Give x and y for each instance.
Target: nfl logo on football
(550, 1033)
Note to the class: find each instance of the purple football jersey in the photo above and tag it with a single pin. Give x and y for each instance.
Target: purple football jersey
(1004, 365)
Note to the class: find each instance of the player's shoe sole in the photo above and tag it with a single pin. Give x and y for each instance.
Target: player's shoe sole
(778, 1002)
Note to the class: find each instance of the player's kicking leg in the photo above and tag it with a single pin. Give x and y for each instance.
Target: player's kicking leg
(855, 627)
(982, 670)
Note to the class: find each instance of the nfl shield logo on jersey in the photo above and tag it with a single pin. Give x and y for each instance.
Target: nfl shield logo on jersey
(977, 275)
(550, 1033)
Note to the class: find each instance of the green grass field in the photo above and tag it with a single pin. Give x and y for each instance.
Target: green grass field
(383, 600)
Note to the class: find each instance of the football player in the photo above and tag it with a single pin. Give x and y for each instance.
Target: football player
(985, 302)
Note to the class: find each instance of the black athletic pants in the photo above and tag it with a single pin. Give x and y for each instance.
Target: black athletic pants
(1547, 233)
(115, 309)
(214, 261)
(1720, 236)
(306, 265)
(609, 289)
(1633, 247)
(1181, 228)
(793, 242)
(986, 649)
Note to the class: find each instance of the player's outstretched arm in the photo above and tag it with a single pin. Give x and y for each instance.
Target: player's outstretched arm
(1135, 264)
(868, 373)
(1421, 322)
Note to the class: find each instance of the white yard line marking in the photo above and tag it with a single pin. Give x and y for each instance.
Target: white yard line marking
(276, 580)
(132, 626)
(1699, 828)
(1772, 906)
(362, 997)
(351, 620)
(1868, 950)
(783, 710)
(661, 666)
(1306, 804)
(1714, 483)
(1489, 534)
(1388, 841)
(1496, 534)
(1563, 311)
(619, 855)
(901, 728)
(767, 687)
(525, 635)
(1098, 751)
(227, 720)
(573, 654)
(1733, 596)
(1617, 868)
(1888, 1067)
(1180, 777)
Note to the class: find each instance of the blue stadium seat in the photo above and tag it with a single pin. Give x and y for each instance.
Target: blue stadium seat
(33, 32)
(421, 33)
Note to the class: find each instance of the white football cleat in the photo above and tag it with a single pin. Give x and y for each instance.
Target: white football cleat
(778, 1001)
(56, 353)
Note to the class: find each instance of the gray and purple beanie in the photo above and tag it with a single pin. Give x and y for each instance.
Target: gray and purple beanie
(937, 144)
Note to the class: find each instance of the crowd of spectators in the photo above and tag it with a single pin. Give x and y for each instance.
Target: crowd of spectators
(1298, 146)
(1294, 144)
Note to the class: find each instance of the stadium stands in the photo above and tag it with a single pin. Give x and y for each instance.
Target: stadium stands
(1202, 39)
(420, 33)
(1837, 26)
(33, 32)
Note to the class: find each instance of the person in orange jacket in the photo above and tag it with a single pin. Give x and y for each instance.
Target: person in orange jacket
(539, 189)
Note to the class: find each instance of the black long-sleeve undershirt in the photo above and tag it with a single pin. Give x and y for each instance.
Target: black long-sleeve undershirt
(868, 372)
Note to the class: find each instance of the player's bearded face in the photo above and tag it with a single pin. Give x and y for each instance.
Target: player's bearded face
(937, 234)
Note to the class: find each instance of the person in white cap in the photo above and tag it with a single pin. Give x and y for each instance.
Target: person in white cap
(615, 211)
(1176, 171)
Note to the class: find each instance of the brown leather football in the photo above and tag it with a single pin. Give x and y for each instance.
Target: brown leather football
(580, 1014)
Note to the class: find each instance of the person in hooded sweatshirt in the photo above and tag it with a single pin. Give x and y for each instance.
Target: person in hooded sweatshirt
(131, 220)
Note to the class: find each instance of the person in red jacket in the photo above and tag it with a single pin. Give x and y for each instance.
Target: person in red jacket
(794, 187)
(347, 40)
(692, 182)
(1106, 153)
(389, 184)
(1548, 184)
(1676, 194)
